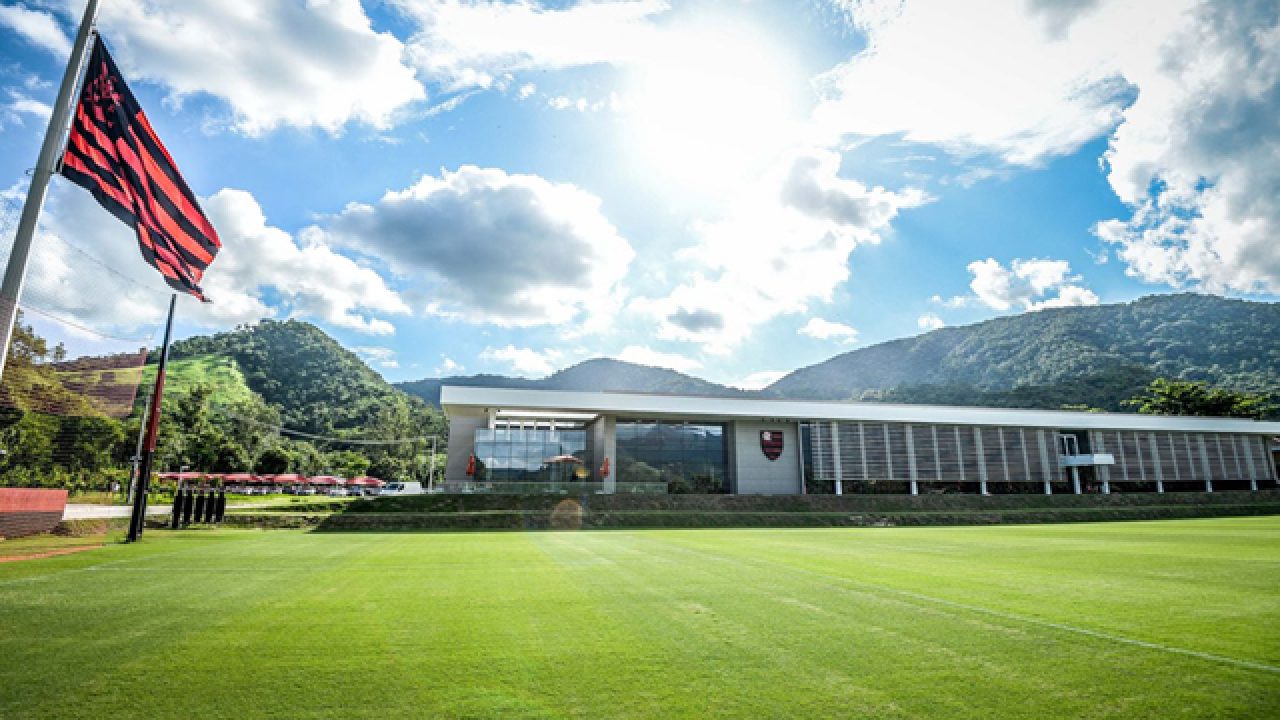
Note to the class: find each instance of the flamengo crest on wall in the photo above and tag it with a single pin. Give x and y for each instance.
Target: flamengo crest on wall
(771, 443)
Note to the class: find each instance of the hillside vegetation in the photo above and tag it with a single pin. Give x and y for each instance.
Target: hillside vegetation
(1090, 355)
(317, 385)
(1097, 357)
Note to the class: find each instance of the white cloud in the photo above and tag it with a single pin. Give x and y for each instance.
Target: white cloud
(760, 380)
(1187, 90)
(930, 321)
(488, 246)
(476, 44)
(21, 106)
(383, 357)
(1198, 156)
(525, 361)
(820, 329)
(257, 262)
(448, 366)
(39, 28)
(1024, 81)
(315, 64)
(527, 90)
(641, 355)
(310, 278)
(1028, 285)
(954, 303)
(785, 244)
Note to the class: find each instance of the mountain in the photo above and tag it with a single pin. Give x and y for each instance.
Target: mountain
(1095, 356)
(317, 385)
(599, 374)
(1092, 354)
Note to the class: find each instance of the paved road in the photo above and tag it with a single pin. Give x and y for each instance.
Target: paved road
(87, 512)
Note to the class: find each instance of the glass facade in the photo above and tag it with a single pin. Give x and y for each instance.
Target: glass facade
(671, 457)
(525, 459)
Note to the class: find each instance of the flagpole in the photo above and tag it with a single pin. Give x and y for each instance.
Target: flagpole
(153, 427)
(46, 165)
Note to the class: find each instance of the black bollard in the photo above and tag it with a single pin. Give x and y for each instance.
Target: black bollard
(175, 516)
(188, 504)
(199, 518)
(221, 508)
(209, 502)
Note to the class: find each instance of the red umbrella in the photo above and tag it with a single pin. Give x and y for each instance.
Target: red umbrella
(180, 475)
(562, 459)
(239, 477)
(285, 479)
(326, 480)
(366, 481)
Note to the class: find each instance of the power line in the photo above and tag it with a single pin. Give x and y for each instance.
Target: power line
(312, 436)
(146, 341)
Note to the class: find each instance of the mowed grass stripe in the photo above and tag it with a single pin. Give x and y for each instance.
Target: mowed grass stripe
(841, 583)
(700, 623)
(1009, 665)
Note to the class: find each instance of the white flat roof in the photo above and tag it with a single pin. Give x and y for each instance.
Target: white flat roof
(460, 400)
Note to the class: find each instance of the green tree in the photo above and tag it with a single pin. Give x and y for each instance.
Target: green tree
(1183, 397)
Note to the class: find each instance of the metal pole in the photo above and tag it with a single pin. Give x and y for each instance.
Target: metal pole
(153, 426)
(46, 165)
(136, 460)
(431, 469)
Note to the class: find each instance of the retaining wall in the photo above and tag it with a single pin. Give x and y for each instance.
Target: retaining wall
(30, 511)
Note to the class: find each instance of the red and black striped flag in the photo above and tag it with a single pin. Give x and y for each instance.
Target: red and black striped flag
(113, 153)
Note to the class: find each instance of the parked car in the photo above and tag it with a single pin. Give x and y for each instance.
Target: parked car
(403, 488)
(338, 492)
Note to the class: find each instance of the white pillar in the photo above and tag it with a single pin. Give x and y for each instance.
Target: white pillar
(982, 461)
(911, 459)
(1075, 479)
(835, 458)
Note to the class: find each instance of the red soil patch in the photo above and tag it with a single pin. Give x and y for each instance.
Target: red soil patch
(48, 553)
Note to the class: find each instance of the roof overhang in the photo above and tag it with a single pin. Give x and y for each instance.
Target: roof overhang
(458, 400)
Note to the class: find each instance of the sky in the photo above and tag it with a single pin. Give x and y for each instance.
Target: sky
(732, 189)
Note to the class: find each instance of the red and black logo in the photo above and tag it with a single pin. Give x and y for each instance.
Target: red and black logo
(771, 443)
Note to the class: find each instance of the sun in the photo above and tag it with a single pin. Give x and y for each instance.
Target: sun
(714, 107)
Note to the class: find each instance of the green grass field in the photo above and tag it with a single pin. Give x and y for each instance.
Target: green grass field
(1124, 620)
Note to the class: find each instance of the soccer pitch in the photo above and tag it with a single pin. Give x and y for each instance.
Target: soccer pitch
(1163, 619)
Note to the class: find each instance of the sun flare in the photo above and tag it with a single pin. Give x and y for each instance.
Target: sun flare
(715, 108)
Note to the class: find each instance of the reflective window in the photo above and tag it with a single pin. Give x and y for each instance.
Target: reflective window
(671, 457)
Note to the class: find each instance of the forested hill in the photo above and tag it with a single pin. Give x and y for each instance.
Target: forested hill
(599, 374)
(317, 385)
(1089, 355)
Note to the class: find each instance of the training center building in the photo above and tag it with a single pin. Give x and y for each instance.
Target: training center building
(506, 440)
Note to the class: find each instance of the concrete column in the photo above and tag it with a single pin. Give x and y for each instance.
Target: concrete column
(1250, 444)
(611, 452)
(1075, 480)
(1155, 461)
(888, 453)
(982, 461)
(1045, 467)
(862, 447)
(1105, 473)
(911, 460)
(835, 458)
(804, 490)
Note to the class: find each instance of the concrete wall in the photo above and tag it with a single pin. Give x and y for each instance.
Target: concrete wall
(602, 442)
(462, 438)
(755, 474)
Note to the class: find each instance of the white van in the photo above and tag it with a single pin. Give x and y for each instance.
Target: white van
(402, 488)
